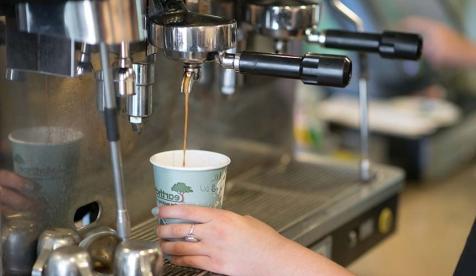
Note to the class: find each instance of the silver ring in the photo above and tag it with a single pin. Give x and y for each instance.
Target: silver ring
(190, 237)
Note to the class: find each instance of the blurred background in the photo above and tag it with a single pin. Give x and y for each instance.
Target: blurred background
(422, 119)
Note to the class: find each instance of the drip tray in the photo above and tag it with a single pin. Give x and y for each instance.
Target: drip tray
(303, 199)
(283, 195)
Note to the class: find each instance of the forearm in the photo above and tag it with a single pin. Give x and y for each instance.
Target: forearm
(297, 260)
(308, 262)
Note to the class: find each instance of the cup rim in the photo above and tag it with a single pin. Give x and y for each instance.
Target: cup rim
(78, 135)
(226, 162)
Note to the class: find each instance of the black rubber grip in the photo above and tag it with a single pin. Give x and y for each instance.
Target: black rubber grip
(388, 44)
(112, 127)
(325, 70)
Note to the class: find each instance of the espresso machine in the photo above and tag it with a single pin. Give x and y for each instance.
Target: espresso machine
(112, 72)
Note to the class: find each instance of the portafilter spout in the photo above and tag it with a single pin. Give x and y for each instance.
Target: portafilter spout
(191, 73)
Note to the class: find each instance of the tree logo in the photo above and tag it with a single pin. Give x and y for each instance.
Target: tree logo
(181, 188)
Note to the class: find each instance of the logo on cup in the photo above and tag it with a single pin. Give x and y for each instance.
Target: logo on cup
(208, 188)
(180, 188)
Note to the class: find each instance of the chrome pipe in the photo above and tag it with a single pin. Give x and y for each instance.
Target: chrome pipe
(365, 165)
(122, 220)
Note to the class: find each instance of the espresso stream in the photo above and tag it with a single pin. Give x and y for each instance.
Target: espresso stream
(185, 127)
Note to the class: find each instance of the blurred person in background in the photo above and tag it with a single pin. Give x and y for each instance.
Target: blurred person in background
(445, 48)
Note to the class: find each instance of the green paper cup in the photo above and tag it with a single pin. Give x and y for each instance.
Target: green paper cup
(48, 156)
(201, 182)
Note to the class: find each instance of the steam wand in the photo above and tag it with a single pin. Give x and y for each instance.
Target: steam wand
(112, 129)
(364, 166)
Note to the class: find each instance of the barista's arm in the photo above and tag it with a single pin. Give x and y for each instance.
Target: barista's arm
(443, 47)
(238, 245)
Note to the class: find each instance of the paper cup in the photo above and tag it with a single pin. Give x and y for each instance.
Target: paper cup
(201, 182)
(49, 157)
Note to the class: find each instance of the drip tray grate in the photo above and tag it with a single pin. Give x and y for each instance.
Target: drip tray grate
(286, 194)
(173, 270)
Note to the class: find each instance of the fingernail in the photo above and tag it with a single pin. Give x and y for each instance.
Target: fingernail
(155, 212)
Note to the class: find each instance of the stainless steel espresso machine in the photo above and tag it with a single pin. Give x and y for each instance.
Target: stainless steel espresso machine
(101, 80)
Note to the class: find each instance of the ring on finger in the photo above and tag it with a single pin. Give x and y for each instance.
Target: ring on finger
(190, 236)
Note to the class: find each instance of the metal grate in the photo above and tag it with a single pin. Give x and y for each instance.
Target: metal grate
(173, 270)
(145, 231)
(284, 195)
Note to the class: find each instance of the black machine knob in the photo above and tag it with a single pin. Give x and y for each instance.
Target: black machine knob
(325, 70)
(388, 44)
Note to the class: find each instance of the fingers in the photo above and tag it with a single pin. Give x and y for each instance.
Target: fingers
(200, 262)
(5, 210)
(178, 231)
(183, 248)
(14, 200)
(14, 181)
(189, 212)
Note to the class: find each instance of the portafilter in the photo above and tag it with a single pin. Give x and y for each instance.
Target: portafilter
(193, 39)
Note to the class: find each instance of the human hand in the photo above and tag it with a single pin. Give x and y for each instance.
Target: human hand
(16, 193)
(232, 244)
(229, 243)
(443, 47)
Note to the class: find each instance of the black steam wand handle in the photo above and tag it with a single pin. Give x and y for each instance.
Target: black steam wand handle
(325, 70)
(395, 45)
